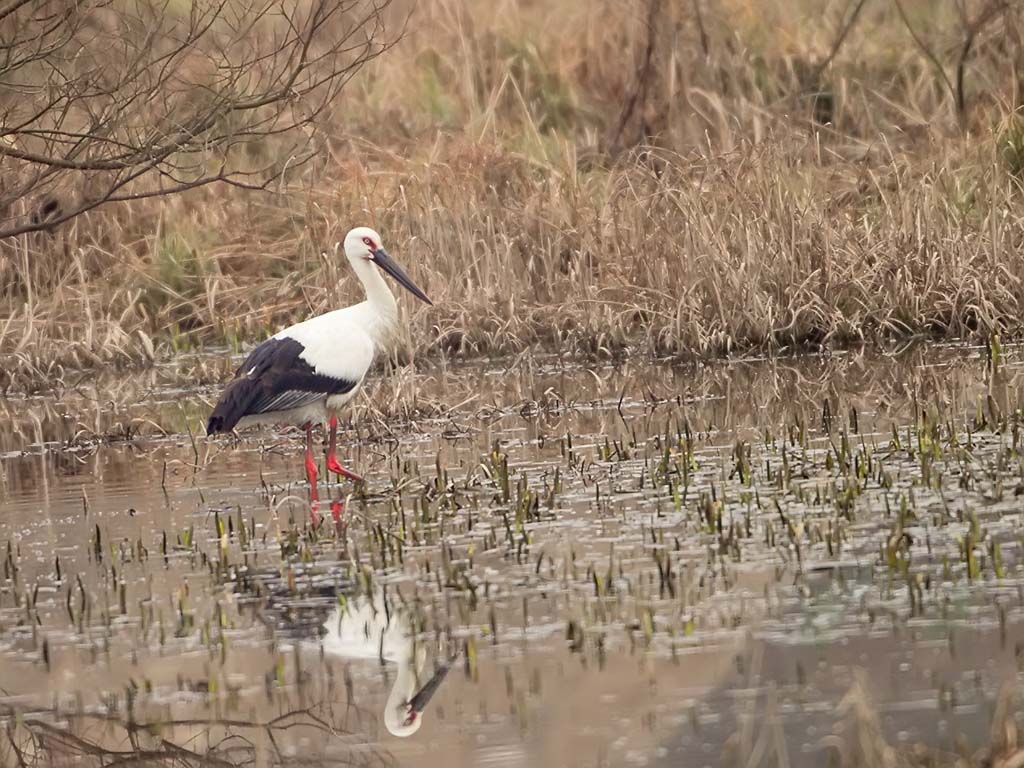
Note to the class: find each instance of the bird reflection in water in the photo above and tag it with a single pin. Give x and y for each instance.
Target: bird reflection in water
(367, 627)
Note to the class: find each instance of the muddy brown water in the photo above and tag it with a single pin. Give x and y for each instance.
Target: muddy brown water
(629, 565)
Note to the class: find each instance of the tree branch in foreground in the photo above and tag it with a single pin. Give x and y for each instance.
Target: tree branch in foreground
(103, 101)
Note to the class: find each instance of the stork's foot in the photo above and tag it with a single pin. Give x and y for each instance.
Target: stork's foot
(333, 465)
(311, 471)
(311, 475)
(337, 510)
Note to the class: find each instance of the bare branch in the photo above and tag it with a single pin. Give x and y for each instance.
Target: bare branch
(992, 11)
(844, 31)
(929, 54)
(643, 77)
(108, 102)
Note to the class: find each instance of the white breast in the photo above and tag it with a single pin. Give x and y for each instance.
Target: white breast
(364, 630)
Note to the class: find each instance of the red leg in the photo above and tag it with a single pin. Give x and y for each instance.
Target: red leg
(337, 510)
(311, 473)
(333, 465)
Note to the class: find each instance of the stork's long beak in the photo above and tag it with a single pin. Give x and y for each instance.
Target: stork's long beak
(389, 265)
(419, 702)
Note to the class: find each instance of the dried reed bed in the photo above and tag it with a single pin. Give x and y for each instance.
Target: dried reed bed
(817, 173)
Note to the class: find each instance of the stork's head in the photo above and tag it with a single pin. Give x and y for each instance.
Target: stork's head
(401, 721)
(362, 244)
(404, 716)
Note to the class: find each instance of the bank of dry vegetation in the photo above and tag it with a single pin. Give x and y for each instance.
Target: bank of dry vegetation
(652, 177)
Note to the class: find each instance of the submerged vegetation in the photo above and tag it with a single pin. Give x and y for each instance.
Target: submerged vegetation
(673, 178)
(734, 542)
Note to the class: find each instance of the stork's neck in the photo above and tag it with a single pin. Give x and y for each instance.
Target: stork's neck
(378, 296)
(405, 682)
(409, 659)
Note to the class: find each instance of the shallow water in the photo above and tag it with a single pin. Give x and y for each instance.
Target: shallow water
(632, 564)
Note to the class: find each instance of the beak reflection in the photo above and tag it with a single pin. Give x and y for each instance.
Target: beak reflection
(418, 702)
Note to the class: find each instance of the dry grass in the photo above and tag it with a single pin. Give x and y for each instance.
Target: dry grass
(551, 184)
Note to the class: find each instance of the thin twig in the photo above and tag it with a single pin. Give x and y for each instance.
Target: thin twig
(642, 78)
(840, 39)
(704, 42)
(992, 11)
(929, 54)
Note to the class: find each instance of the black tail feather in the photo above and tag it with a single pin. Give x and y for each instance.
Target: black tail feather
(233, 405)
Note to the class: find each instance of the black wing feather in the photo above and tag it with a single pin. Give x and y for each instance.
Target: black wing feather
(273, 378)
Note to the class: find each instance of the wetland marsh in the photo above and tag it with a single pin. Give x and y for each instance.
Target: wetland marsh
(771, 561)
(760, 562)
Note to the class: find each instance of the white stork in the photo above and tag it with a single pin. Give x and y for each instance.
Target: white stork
(368, 628)
(304, 374)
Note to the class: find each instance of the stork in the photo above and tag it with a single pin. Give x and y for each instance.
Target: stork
(365, 627)
(306, 373)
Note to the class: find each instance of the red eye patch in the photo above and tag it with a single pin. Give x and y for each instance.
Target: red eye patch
(369, 242)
